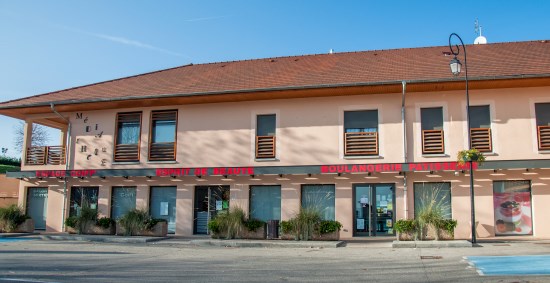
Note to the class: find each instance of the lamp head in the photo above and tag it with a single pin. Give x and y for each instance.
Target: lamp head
(455, 66)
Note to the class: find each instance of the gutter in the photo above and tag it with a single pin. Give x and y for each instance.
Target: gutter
(405, 155)
(67, 155)
(306, 87)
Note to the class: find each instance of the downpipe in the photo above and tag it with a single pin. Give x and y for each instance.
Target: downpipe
(405, 160)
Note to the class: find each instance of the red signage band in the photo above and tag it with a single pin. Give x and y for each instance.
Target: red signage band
(244, 171)
(204, 171)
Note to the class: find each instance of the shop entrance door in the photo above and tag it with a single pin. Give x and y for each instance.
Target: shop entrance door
(163, 205)
(209, 201)
(37, 206)
(374, 213)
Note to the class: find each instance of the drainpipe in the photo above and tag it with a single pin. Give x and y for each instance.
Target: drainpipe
(67, 154)
(404, 88)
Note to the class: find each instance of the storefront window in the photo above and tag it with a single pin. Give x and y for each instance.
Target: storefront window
(435, 196)
(83, 196)
(265, 202)
(512, 204)
(123, 200)
(320, 198)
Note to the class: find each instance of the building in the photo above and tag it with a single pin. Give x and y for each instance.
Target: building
(9, 190)
(354, 131)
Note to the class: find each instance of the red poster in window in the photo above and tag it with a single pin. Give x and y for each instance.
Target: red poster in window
(513, 213)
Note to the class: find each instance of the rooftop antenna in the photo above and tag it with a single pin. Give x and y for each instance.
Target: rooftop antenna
(480, 39)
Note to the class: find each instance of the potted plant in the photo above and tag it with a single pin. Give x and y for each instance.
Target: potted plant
(446, 229)
(254, 229)
(228, 224)
(406, 229)
(138, 222)
(468, 155)
(70, 224)
(13, 220)
(328, 230)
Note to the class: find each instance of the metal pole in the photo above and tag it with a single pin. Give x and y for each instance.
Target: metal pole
(472, 197)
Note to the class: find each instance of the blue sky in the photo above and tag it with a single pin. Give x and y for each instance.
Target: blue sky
(52, 45)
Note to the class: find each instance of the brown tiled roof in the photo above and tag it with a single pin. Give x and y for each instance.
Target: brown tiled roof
(530, 58)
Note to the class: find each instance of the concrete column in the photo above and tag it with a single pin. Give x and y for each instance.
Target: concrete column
(54, 216)
(239, 195)
(184, 210)
(290, 200)
(142, 197)
(27, 140)
(145, 126)
(344, 208)
(104, 201)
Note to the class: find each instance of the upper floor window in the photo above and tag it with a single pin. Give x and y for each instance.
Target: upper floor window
(542, 111)
(265, 136)
(361, 132)
(127, 136)
(162, 146)
(480, 128)
(432, 130)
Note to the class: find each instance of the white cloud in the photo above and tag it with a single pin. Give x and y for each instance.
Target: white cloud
(123, 40)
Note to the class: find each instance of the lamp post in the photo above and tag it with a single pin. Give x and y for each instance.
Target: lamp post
(455, 69)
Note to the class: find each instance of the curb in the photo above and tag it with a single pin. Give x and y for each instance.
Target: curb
(432, 244)
(17, 235)
(103, 239)
(268, 244)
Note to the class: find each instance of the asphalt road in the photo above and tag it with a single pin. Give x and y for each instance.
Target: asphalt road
(173, 261)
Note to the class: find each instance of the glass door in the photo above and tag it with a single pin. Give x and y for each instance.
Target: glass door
(374, 209)
(209, 201)
(163, 205)
(37, 206)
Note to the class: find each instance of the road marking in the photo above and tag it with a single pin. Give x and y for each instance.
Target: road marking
(26, 280)
(511, 265)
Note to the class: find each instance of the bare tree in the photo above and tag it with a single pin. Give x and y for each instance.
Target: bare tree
(40, 135)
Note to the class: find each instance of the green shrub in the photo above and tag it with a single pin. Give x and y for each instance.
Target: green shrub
(11, 217)
(151, 222)
(306, 222)
(105, 222)
(433, 206)
(137, 220)
(6, 160)
(253, 224)
(287, 227)
(329, 226)
(214, 226)
(87, 215)
(134, 221)
(448, 225)
(231, 222)
(405, 226)
(71, 221)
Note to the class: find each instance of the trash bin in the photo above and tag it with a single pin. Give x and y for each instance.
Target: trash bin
(272, 229)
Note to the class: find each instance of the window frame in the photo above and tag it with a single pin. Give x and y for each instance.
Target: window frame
(151, 129)
(115, 140)
(251, 187)
(260, 141)
(361, 137)
(434, 183)
(422, 131)
(483, 133)
(304, 186)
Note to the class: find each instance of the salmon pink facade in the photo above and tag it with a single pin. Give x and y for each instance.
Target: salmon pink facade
(274, 135)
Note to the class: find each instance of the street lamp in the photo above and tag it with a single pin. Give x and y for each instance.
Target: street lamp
(456, 67)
